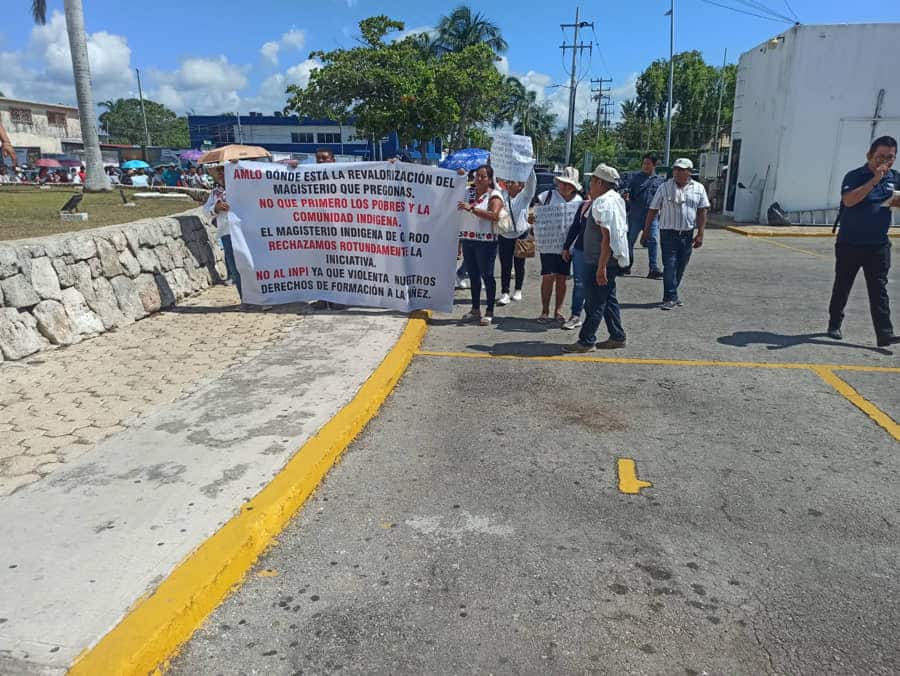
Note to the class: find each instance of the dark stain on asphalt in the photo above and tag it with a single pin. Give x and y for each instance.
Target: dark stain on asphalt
(648, 649)
(713, 619)
(619, 589)
(667, 591)
(656, 572)
(693, 565)
(814, 512)
(699, 589)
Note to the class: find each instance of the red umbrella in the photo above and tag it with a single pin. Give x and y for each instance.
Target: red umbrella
(49, 163)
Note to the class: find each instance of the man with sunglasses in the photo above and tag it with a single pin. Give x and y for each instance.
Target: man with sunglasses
(867, 193)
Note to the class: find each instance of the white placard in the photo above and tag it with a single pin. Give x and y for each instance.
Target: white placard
(370, 234)
(512, 157)
(551, 225)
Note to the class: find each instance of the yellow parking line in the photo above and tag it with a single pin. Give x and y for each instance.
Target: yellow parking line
(792, 248)
(863, 404)
(662, 362)
(628, 478)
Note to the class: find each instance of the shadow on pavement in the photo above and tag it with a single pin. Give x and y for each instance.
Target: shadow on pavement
(778, 341)
(640, 306)
(524, 348)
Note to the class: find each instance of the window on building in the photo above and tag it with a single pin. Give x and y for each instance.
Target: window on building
(328, 138)
(301, 137)
(21, 116)
(57, 120)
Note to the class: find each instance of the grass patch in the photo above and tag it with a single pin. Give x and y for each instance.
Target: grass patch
(27, 211)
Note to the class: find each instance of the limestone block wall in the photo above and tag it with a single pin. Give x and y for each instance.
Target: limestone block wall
(62, 289)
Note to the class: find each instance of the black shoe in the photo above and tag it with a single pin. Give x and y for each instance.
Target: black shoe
(835, 333)
(884, 341)
(625, 271)
(654, 274)
(610, 344)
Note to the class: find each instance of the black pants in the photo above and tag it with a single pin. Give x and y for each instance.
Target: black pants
(875, 262)
(507, 260)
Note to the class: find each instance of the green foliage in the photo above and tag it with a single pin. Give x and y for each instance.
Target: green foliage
(394, 85)
(476, 137)
(695, 98)
(122, 120)
(463, 28)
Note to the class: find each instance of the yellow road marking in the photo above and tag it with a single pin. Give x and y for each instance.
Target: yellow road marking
(863, 404)
(628, 478)
(793, 248)
(662, 362)
(151, 632)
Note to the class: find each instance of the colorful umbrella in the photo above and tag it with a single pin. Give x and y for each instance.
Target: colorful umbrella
(191, 155)
(48, 163)
(233, 152)
(135, 164)
(467, 158)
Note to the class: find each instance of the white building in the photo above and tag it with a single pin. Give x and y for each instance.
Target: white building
(807, 104)
(39, 128)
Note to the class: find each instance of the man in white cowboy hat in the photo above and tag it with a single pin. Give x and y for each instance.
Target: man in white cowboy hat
(554, 269)
(682, 205)
(605, 252)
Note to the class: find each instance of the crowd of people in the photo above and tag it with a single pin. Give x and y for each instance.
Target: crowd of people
(169, 175)
(599, 246)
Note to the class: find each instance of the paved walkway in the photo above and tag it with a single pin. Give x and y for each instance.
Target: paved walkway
(123, 454)
(56, 406)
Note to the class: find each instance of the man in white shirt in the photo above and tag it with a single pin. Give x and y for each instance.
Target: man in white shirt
(682, 205)
(605, 251)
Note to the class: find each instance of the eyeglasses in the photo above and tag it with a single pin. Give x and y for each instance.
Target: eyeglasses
(884, 158)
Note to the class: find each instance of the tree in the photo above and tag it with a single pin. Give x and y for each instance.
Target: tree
(124, 124)
(463, 28)
(95, 180)
(393, 86)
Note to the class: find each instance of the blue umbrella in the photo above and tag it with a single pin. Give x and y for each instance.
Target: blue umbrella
(135, 164)
(467, 158)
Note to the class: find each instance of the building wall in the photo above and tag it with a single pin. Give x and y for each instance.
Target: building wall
(29, 124)
(804, 109)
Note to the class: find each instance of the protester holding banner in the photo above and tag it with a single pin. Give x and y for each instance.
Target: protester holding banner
(555, 270)
(519, 196)
(479, 242)
(217, 205)
(605, 251)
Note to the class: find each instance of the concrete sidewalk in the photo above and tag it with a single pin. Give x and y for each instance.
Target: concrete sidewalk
(84, 540)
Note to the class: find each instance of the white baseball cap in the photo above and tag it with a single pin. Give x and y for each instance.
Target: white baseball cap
(683, 163)
(606, 173)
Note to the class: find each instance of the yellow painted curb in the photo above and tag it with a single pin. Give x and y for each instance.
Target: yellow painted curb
(154, 629)
(821, 231)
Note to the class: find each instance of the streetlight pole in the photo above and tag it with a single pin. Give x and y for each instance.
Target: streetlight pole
(671, 14)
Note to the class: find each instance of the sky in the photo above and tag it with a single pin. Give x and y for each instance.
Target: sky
(239, 56)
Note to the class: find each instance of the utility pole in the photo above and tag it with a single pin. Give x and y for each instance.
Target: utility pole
(719, 109)
(143, 113)
(601, 97)
(576, 47)
(671, 14)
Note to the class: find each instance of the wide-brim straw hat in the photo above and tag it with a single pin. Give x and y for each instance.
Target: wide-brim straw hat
(570, 176)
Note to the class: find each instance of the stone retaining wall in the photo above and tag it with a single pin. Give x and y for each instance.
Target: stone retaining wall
(61, 289)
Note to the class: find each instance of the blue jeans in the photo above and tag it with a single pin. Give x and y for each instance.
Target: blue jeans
(676, 252)
(578, 277)
(480, 258)
(230, 265)
(635, 227)
(601, 304)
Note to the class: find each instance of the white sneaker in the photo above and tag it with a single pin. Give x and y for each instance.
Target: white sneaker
(463, 283)
(517, 295)
(572, 323)
(503, 300)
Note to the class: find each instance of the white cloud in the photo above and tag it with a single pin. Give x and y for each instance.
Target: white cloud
(43, 70)
(205, 85)
(293, 39)
(271, 94)
(502, 65)
(269, 52)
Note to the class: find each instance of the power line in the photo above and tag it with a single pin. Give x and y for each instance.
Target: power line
(761, 7)
(791, 10)
(741, 11)
(577, 49)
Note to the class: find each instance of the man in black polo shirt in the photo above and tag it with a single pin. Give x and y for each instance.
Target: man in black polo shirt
(862, 241)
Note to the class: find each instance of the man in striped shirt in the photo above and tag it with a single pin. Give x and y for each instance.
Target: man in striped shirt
(682, 205)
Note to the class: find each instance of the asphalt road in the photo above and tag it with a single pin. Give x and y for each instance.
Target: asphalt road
(478, 524)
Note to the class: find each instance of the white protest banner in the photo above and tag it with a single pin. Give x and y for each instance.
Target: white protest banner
(551, 224)
(372, 234)
(512, 157)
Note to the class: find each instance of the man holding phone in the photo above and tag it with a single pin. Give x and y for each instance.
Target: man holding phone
(867, 195)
